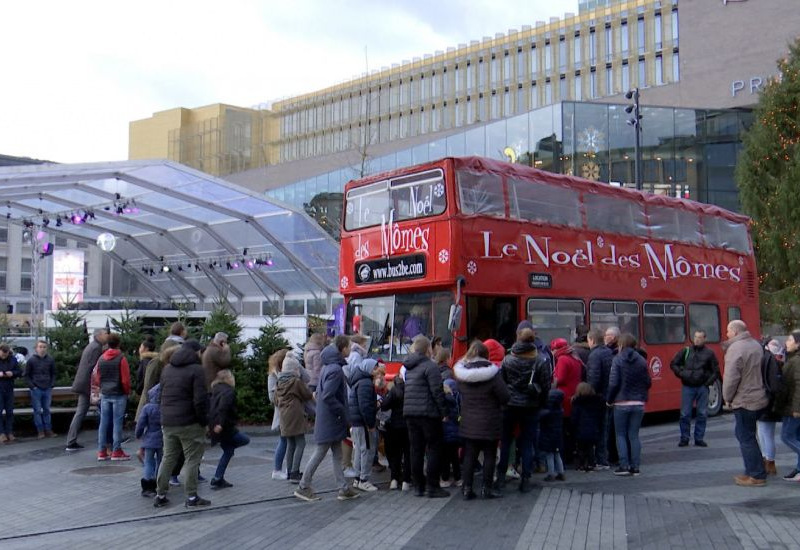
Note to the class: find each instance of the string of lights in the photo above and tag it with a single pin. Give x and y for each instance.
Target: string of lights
(118, 207)
(223, 263)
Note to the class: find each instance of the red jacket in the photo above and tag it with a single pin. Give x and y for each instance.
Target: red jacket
(568, 373)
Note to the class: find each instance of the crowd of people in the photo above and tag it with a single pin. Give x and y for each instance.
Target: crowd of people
(492, 418)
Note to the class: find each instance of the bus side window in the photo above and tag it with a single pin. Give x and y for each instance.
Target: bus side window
(664, 323)
(704, 317)
(623, 315)
(734, 313)
(481, 194)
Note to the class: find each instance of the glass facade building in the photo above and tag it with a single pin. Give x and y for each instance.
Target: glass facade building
(690, 153)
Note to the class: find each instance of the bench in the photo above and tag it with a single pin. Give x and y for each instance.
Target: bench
(63, 402)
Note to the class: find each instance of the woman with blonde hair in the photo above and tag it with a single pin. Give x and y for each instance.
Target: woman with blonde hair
(222, 419)
(275, 363)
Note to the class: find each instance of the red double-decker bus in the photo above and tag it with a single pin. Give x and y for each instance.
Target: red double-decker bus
(507, 242)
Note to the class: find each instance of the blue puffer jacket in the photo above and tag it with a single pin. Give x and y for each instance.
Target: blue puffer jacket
(331, 423)
(148, 427)
(551, 423)
(629, 379)
(598, 368)
(362, 403)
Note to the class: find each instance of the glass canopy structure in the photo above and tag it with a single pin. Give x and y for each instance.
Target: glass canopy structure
(180, 233)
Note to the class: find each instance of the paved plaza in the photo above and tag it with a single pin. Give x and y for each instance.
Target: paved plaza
(685, 498)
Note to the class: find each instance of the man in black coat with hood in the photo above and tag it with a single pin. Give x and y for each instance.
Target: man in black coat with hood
(424, 409)
(184, 416)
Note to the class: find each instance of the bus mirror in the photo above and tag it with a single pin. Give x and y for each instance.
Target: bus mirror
(454, 320)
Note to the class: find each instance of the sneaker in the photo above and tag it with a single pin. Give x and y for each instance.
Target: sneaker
(102, 455)
(747, 481)
(560, 477)
(220, 484)
(602, 467)
(160, 501)
(200, 478)
(348, 494)
(635, 471)
(445, 484)
(294, 478)
(279, 475)
(406, 486)
(683, 443)
(40, 435)
(512, 473)
(622, 471)
(459, 483)
(365, 486)
(305, 494)
(11, 438)
(350, 472)
(393, 485)
(794, 475)
(437, 492)
(700, 443)
(3, 438)
(119, 454)
(548, 477)
(72, 447)
(174, 481)
(193, 502)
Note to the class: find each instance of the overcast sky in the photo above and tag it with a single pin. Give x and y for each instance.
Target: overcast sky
(74, 74)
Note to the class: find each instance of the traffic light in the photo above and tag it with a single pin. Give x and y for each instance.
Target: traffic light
(633, 108)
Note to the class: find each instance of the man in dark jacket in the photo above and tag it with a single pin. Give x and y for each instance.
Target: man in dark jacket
(598, 369)
(184, 416)
(697, 368)
(82, 387)
(114, 379)
(9, 370)
(40, 374)
(330, 427)
(424, 409)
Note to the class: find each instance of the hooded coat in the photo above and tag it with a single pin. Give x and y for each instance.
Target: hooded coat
(598, 368)
(184, 398)
(91, 353)
(9, 364)
(483, 396)
(568, 374)
(453, 400)
(291, 395)
(331, 423)
(629, 379)
(362, 404)
(424, 395)
(743, 384)
(215, 358)
(551, 423)
(144, 360)
(517, 368)
(312, 357)
(148, 426)
(588, 412)
(152, 374)
(222, 410)
(394, 402)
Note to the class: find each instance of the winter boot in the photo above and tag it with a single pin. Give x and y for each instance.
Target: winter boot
(467, 492)
(500, 482)
(769, 465)
(525, 485)
(148, 488)
(488, 492)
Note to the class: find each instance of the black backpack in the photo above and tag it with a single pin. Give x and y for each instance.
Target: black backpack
(771, 374)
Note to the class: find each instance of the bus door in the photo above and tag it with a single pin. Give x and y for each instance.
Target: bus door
(492, 317)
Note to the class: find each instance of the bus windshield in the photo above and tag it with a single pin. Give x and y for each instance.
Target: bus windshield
(391, 322)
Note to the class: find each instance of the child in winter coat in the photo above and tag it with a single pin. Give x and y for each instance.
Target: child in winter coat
(362, 406)
(551, 435)
(148, 429)
(291, 395)
(588, 410)
(452, 438)
(222, 424)
(398, 449)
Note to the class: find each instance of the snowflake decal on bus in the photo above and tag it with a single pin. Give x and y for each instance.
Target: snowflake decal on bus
(349, 207)
(444, 256)
(438, 190)
(643, 282)
(600, 242)
(345, 282)
(472, 267)
(741, 260)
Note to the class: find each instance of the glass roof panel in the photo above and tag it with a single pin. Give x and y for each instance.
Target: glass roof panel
(253, 206)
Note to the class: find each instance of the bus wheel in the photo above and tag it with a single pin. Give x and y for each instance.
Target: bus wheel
(715, 398)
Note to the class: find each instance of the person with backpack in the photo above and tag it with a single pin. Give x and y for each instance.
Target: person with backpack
(787, 402)
(771, 367)
(697, 368)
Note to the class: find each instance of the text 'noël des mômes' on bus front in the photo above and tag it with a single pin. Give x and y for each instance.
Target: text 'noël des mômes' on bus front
(662, 260)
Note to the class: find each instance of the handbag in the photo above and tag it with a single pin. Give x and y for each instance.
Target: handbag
(534, 389)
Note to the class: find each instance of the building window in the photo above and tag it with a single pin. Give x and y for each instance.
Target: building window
(481, 107)
(676, 67)
(609, 81)
(548, 93)
(294, 307)
(495, 68)
(625, 43)
(470, 76)
(578, 94)
(457, 76)
(534, 96)
(271, 308)
(593, 84)
(592, 47)
(3, 234)
(85, 278)
(3, 271)
(318, 306)
(642, 74)
(481, 73)
(520, 64)
(626, 77)
(520, 99)
(495, 106)
(534, 61)
(507, 103)
(26, 274)
(659, 71)
(506, 68)
(562, 88)
(657, 31)
(674, 28)
(640, 36)
(609, 44)
(562, 55)
(576, 51)
(548, 58)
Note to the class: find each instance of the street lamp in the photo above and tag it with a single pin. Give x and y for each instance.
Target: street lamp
(636, 122)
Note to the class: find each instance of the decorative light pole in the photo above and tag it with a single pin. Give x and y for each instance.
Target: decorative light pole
(636, 122)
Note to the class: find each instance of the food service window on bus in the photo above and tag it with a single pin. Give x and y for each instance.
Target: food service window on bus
(540, 202)
(399, 199)
(722, 233)
(704, 317)
(674, 224)
(623, 315)
(664, 323)
(556, 318)
(481, 193)
(615, 215)
(734, 313)
(391, 322)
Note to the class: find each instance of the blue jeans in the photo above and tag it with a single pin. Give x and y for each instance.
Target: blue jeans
(112, 411)
(229, 444)
(688, 398)
(790, 434)
(40, 401)
(7, 405)
(528, 422)
(554, 463)
(280, 453)
(746, 435)
(152, 460)
(765, 431)
(627, 421)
